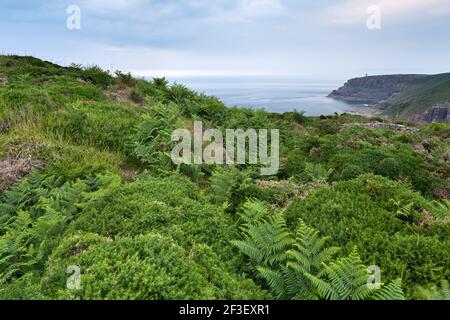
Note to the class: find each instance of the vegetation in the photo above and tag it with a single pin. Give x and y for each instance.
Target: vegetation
(86, 181)
(420, 95)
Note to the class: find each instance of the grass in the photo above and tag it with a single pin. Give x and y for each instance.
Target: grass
(105, 197)
(420, 95)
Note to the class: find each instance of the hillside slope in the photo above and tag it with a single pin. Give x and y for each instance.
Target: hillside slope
(92, 207)
(400, 96)
(420, 96)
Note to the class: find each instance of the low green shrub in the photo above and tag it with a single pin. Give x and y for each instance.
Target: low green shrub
(147, 267)
(365, 213)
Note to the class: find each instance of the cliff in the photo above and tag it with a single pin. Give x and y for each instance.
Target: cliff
(439, 113)
(421, 97)
(373, 89)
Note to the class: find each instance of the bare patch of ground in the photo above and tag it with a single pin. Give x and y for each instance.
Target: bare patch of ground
(3, 80)
(368, 112)
(12, 170)
(129, 173)
(123, 94)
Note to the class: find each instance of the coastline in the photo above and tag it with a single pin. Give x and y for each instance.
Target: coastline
(365, 111)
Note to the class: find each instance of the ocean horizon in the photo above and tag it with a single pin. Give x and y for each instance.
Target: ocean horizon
(276, 95)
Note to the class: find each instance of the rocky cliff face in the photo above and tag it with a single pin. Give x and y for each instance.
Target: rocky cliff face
(373, 90)
(439, 113)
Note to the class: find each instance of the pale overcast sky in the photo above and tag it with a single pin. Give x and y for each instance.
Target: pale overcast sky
(314, 38)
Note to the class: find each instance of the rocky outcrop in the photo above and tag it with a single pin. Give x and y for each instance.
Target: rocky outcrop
(438, 113)
(373, 90)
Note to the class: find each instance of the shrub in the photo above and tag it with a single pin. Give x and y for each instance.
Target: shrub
(169, 205)
(147, 267)
(303, 267)
(97, 76)
(125, 78)
(389, 167)
(364, 212)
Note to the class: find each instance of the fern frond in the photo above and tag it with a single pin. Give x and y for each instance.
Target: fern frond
(249, 250)
(393, 291)
(441, 210)
(275, 281)
(266, 243)
(324, 289)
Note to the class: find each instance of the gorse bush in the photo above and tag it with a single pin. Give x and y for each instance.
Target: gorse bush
(87, 182)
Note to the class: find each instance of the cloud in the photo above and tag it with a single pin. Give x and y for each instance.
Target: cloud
(260, 8)
(154, 61)
(240, 37)
(111, 5)
(355, 11)
(217, 10)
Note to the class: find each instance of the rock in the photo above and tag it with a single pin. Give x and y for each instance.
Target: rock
(438, 113)
(373, 90)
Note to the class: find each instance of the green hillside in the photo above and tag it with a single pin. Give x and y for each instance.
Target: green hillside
(420, 95)
(92, 207)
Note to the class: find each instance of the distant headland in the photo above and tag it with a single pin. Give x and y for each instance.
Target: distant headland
(416, 97)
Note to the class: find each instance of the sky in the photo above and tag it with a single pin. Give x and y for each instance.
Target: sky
(189, 38)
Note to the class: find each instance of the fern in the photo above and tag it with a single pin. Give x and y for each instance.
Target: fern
(151, 143)
(310, 252)
(223, 182)
(276, 280)
(26, 194)
(13, 246)
(443, 293)
(278, 258)
(254, 212)
(266, 243)
(227, 184)
(28, 237)
(346, 279)
(441, 210)
(317, 172)
(392, 291)
(304, 268)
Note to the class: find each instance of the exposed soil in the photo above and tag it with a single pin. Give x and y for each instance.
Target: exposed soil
(12, 170)
(123, 94)
(3, 80)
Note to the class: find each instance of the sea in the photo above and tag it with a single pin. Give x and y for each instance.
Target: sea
(276, 95)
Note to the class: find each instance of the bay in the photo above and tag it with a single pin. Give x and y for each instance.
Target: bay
(273, 94)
